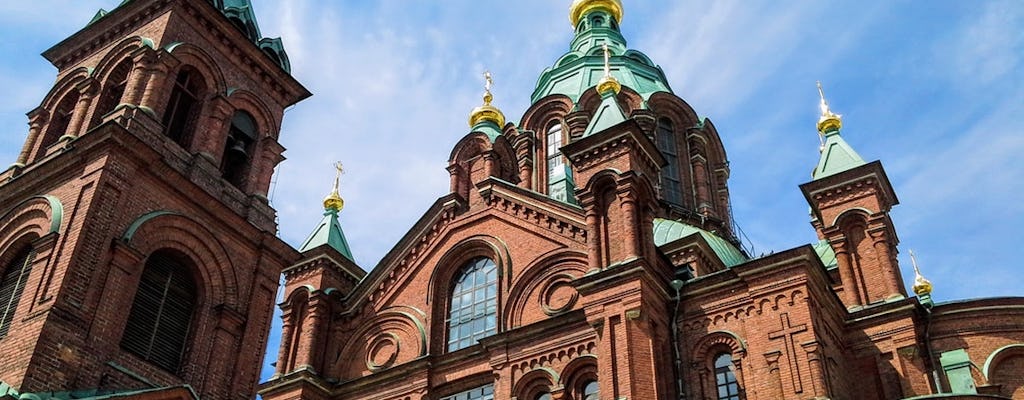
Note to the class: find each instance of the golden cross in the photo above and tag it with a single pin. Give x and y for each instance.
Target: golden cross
(488, 82)
(824, 104)
(337, 176)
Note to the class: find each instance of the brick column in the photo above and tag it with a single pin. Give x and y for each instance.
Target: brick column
(87, 92)
(628, 206)
(773, 390)
(284, 354)
(851, 295)
(819, 386)
(36, 119)
(880, 241)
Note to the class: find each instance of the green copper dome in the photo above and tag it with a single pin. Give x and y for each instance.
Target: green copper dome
(666, 231)
(583, 66)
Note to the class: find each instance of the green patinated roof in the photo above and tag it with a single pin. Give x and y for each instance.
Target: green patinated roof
(826, 254)
(581, 67)
(328, 232)
(608, 114)
(836, 156)
(666, 231)
(488, 128)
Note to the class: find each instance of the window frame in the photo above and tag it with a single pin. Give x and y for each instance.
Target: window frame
(134, 335)
(484, 311)
(485, 392)
(25, 256)
(725, 378)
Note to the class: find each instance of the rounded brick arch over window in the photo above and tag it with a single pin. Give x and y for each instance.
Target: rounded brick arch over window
(473, 310)
(161, 315)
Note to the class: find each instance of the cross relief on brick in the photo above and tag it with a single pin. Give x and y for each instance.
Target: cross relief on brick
(787, 333)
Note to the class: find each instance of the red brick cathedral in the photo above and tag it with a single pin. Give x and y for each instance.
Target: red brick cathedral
(585, 252)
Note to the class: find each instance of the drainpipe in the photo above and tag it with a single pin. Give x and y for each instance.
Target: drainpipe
(677, 285)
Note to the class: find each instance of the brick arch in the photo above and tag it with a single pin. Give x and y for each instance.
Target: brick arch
(534, 382)
(120, 52)
(198, 58)
(715, 343)
(393, 337)
(266, 121)
(628, 99)
(549, 272)
(668, 105)
(459, 162)
(170, 230)
(851, 216)
(576, 372)
(440, 285)
(1005, 367)
(36, 216)
(540, 114)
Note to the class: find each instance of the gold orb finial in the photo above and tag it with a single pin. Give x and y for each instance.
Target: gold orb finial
(333, 201)
(922, 286)
(608, 83)
(579, 8)
(487, 112)
(829, 121)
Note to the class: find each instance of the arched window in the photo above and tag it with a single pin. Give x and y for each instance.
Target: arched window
(12, 284)
(183, 106)
(113, 90)
(542, 396)
(725, 380)
(161, 315)
(559, 177)
(590, 390)
(59, 120)
(238, 149)
(474, 306)
(671, 188)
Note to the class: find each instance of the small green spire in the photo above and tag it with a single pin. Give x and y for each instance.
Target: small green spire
(328, 231)
(836, 155)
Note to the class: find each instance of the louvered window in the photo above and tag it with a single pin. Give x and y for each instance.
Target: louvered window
(15, 276)
(158, 324)
(183, 107)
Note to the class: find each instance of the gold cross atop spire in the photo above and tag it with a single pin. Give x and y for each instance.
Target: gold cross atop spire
(488, 82)
(608, 83)
(333, 201)
(829, 121)
(922, 286)
(487, 112)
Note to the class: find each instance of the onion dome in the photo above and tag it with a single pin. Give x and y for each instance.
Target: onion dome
(579, 8)
(333, 201)
(487, 112)
(922, 286)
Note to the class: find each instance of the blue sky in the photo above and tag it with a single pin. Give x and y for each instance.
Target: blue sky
(935, 90)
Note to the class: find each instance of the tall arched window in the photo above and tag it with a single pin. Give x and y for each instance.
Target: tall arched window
(12, 284)
(59, 120)
(113, 90)
(559, 177)
(725, 381)
(161, 315)
(183, 106)
(671, 188)
(238, 149)
(474, 306)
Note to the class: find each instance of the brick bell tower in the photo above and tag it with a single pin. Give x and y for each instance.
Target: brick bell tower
(137, 245)
(850, 202)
